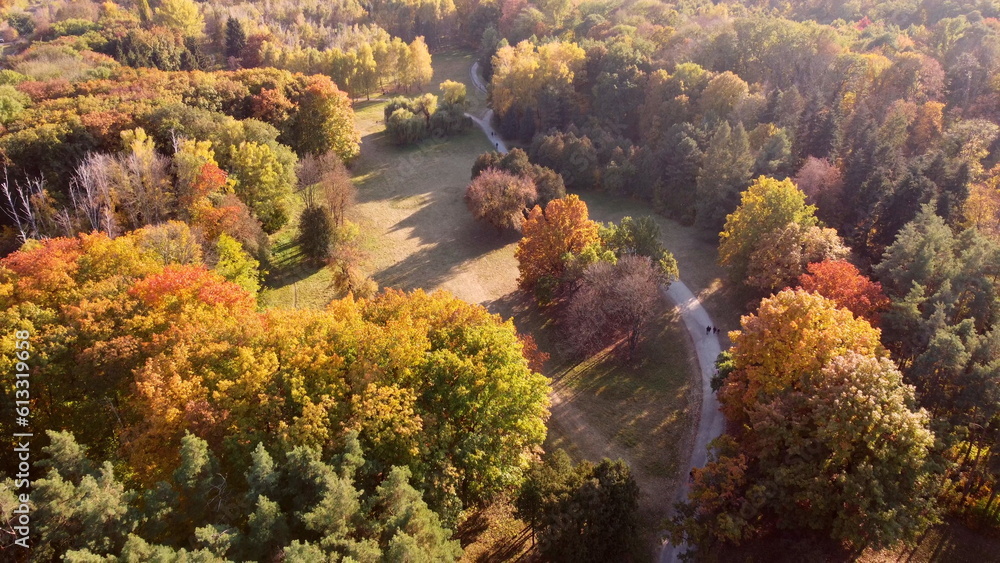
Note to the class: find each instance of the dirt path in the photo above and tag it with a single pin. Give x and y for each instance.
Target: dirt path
(710, 422)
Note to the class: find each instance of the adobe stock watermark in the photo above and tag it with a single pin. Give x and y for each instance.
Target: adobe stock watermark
(21, 517)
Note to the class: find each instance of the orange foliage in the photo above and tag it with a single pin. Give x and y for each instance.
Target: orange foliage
(841, 282)
(792, 334)
(186, 283)
(564, 227)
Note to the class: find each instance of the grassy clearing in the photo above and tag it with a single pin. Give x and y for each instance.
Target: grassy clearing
(414, 223)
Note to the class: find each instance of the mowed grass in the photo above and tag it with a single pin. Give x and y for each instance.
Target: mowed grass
(414, 224)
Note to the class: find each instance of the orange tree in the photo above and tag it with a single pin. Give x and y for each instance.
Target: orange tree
(792, 333)
(564, 228)
(841, 282)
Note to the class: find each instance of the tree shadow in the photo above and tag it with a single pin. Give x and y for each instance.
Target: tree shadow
(289, 265)
(447, 242)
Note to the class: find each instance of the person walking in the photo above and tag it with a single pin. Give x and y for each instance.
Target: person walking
(708, 329)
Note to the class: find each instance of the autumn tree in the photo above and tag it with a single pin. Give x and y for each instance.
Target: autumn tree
(563, 227)
(500, 198)
(841, 282)
(862, 469)
(613, 302)
(767, 205)
(791, 334)
(182, 15)
(324, 121)
(782, 255)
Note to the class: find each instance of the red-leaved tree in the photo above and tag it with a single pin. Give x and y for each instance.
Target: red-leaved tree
(501, 198)
(842, 283)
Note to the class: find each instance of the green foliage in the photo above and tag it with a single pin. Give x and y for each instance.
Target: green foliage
(92, 516)
(581, 513)
(236, 265)
(641, 237)
(236, 38)
(941, 322)
(862, 468)
(726, 173)
(263, 181)
(315, 233)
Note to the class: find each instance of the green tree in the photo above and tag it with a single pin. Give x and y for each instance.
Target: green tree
(236, 38)
(234, 264)
(641, 237)
(581, 513)
(324, 121)
(315, 233)
(263, 182)
(725, 172)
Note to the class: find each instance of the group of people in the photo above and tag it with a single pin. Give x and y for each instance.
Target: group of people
(712, 330)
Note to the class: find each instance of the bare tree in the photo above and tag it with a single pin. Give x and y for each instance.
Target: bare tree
(91, 191)
(613, 302)
(336, 187)
(21, 202)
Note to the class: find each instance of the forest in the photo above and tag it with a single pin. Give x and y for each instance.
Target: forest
(171, 167)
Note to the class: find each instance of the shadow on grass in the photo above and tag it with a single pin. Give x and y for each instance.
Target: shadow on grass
(442, 250)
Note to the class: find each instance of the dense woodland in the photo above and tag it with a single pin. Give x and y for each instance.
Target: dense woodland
(847, 153)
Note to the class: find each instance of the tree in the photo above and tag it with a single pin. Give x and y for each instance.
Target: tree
(724, 173)
(613, 302)
(182, 15)
(263, 182)
(842, 283)
(236, 265)
(767, 205)
(585, 512)
(564, 227)
(641, 237)
(236, 38)
(839, 450)
(823, 185)
(864, 470)
(782, 255)
(324, 121)
(453, 92)
(500, 198)
(792, 333)
(417, 71)
(315, 233)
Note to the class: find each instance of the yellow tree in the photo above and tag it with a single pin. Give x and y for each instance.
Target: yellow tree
(563, 228)
(767, 205)
(182, 15)
(792, 334)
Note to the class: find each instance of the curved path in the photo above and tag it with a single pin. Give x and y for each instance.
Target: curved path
(711, 423)
(485, 121)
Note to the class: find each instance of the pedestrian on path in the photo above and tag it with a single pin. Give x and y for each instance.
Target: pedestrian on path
(708, 329)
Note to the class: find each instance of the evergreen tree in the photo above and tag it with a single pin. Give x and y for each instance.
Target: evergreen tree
(725, 172)
(236, 38)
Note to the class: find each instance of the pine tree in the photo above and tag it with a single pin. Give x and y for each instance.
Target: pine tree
(236, 38)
